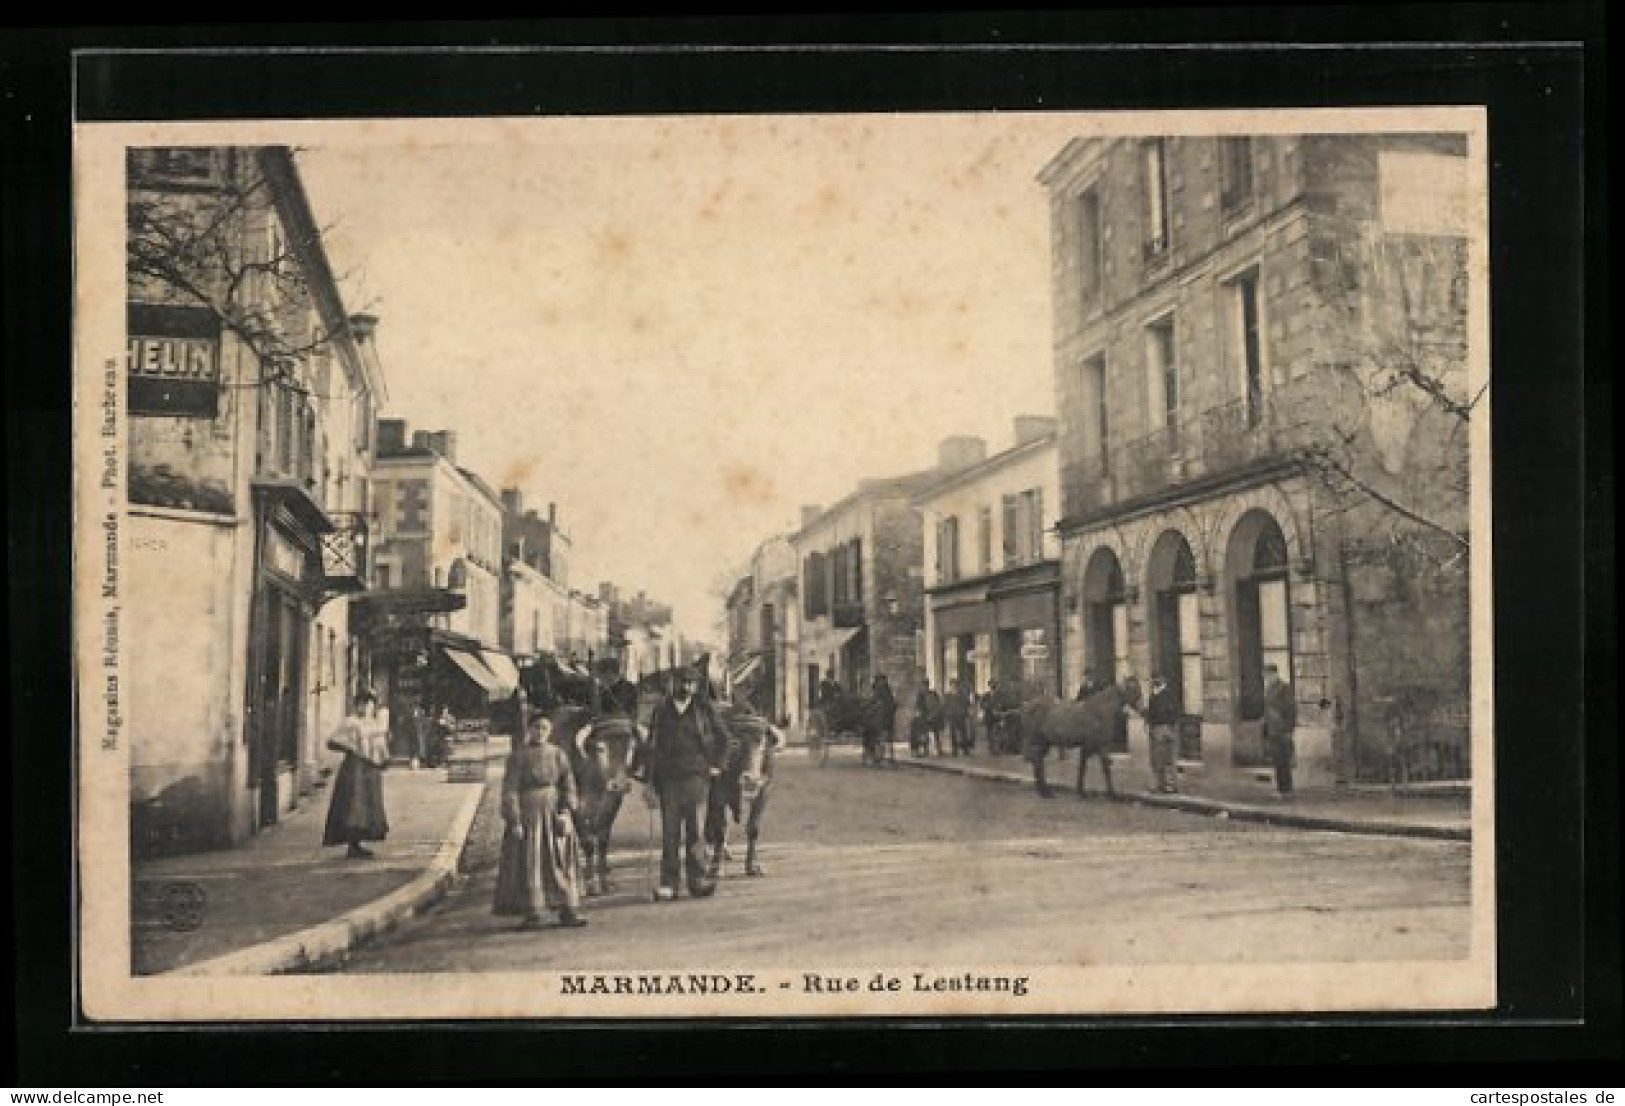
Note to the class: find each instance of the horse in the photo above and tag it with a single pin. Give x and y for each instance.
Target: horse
(602, 750)
(743, 786)
(1090, 726)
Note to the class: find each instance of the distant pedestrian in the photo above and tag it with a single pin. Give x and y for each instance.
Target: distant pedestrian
(927, 725)
(1162, 715)
(445, 728)
(422, 737)
(356, 811)
(1280, 719)
(956, 717)
(540, 863)
(1091, 685)
(880, 725)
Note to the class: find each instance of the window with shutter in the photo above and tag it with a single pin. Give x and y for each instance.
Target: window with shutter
(1012, 530)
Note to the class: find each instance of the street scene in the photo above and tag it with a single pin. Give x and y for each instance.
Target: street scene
(932, 869)
(801, 545)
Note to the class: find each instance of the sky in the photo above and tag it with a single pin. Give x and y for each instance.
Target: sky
(682, 329)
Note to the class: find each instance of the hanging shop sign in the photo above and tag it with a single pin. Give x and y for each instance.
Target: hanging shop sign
(174, 360)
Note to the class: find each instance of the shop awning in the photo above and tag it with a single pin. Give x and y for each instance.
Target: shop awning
(503, 668)
(743, 672)
(830, 641)
(474, 668)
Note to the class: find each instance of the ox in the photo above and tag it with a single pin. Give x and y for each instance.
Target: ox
(742, 788)
(602, 752)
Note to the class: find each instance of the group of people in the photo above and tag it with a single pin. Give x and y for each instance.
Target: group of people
(687, 744)
(1163, 712)
(679, 764)
(935, 713)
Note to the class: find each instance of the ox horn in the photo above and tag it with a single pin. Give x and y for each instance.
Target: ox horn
(581, 738)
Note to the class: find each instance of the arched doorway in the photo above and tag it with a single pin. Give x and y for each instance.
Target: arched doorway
(1176, 630)
(1261, 608)
(1105, 619)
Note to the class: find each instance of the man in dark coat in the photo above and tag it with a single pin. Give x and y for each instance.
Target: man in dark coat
(687, 743)
(881, 718)
(927, 725)
(1280, 719)
(1091, 685)
(956, 716)
(1162, 716)
(615, 694)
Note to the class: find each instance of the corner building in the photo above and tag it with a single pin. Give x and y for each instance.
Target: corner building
(252, 392)
(1225, 310)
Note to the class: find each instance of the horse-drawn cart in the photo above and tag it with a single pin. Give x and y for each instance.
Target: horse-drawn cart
(838, 720)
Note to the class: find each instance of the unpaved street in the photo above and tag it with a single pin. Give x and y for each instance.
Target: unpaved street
(892, 865)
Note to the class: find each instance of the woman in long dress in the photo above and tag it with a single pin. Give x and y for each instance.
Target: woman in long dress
(356, 812)
(541, 858)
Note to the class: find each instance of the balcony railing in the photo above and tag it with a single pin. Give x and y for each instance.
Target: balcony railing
(344, 553)
(1216, 441)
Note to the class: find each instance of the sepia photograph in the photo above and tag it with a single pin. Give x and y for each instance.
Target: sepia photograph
(928, 564)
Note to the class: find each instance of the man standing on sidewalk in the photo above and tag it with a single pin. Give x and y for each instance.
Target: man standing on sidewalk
(956, 715)
(687, 742)
(1162, 715)
(1280, 719)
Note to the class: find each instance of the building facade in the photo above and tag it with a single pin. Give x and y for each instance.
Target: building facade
(535, 579)
(861, 592)
(252, 394)
(764, 620)
(438, 583)
(992, 559)
(1257, 343)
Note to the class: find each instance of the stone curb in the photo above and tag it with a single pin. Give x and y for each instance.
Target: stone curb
(1240, 811)
(319, 944)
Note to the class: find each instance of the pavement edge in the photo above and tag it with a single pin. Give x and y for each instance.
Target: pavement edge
(316, 945)
(1242, 812)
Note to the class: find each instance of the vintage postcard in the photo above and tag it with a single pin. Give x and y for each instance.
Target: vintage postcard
(971, 564)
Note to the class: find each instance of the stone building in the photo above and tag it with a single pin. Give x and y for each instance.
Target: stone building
(439, 537)
(1261, 379)
(861, 591)
(992, 560)
(251, 395)
(535, 579)
(763, 619)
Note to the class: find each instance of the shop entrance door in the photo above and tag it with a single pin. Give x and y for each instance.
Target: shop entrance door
(279, 692)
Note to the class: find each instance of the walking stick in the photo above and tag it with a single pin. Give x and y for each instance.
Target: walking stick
(649, 843)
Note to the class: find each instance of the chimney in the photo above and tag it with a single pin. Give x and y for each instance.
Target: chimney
(391, 435)
(444, 442)
(960, 451)
(513, 501)
(362, 327)
(553, 515)
(809, 512)
(1029, 428)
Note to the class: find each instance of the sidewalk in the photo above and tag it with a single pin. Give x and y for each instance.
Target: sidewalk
(280, 901)
(1443, 814)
